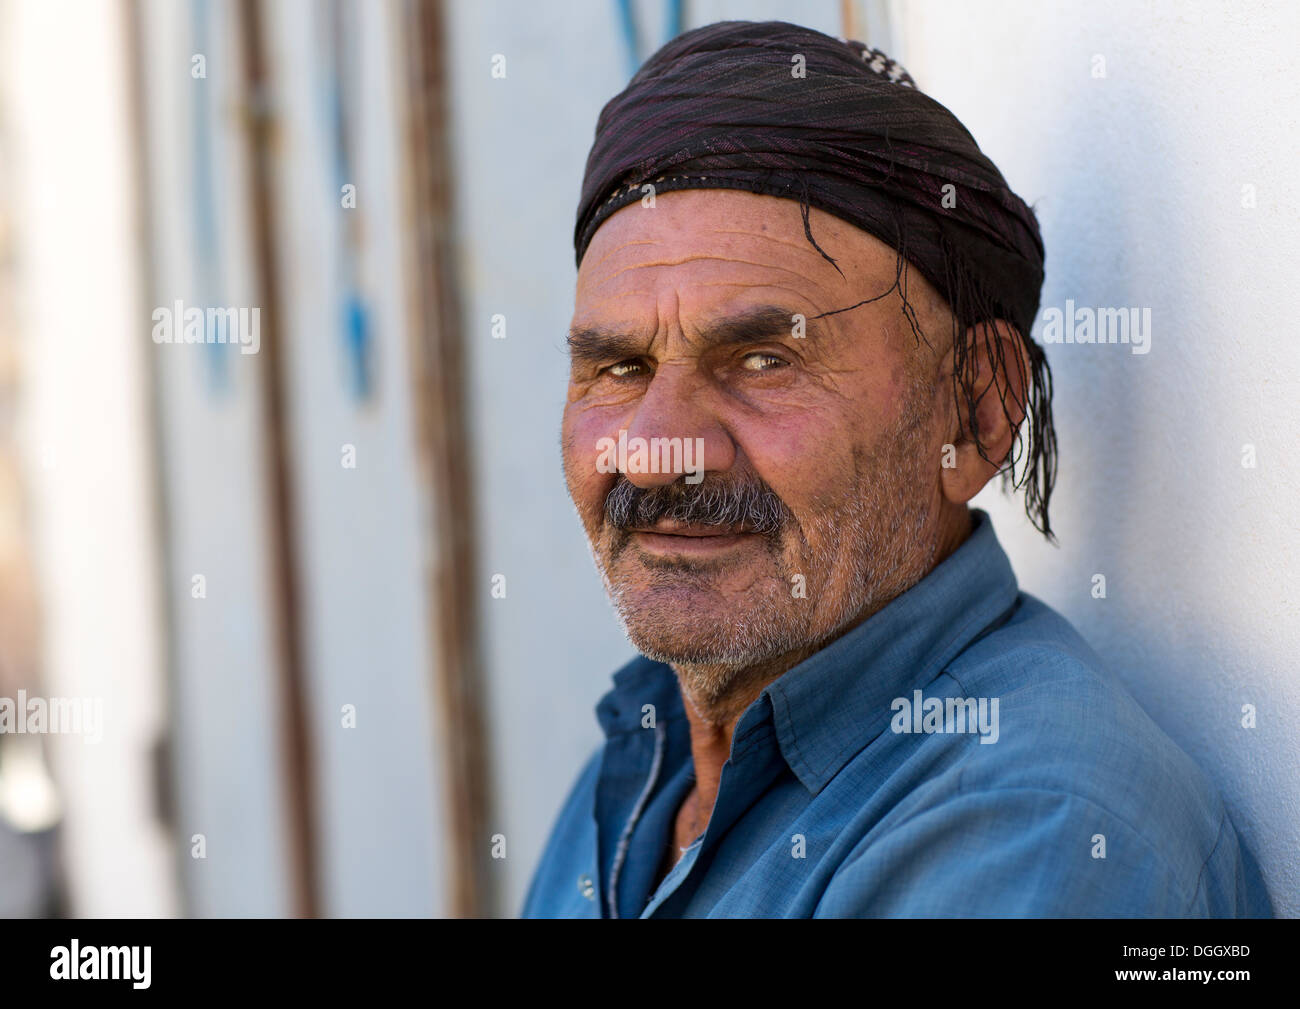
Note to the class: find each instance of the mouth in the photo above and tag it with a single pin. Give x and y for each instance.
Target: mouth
(667, 538)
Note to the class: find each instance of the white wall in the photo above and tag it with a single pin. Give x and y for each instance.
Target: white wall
(363, 531)
(361, 534)
(224, 707)
(1137, 180)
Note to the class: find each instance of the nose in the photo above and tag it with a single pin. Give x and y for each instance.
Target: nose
(679, 429)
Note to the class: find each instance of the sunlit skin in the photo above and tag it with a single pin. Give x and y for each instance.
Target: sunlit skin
(679, 332)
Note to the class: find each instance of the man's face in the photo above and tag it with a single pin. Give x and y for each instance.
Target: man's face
(821, 442)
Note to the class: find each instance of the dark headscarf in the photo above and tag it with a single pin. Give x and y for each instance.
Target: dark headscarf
(725, 107)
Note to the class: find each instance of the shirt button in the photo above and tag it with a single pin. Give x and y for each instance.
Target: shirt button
(584, 885)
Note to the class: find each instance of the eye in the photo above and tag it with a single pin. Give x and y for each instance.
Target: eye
(760, 361)
(626, 369)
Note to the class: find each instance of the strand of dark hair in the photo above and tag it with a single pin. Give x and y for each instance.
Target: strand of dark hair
(1034, 449)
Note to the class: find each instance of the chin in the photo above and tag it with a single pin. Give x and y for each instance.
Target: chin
(699, 635)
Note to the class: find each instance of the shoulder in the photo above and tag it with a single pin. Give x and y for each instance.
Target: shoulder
(569, 852)
(1068, 724)
(1076, 784)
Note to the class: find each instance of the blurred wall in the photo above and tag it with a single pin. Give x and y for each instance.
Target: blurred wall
(84, 422)
(225, 709)
(234, 544)
(310, 528)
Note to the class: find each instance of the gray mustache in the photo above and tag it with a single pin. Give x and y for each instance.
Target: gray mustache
(713, 502)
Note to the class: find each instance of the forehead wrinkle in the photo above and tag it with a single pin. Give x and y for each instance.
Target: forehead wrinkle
(791, 237)
(797, 243)
(859, 271)
(799, 294)
(626, 244)
(601, 282)
(786, 295)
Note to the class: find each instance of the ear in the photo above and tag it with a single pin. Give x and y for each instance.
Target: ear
(995, 373)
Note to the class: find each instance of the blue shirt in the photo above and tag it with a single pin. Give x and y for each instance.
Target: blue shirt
(962, 752)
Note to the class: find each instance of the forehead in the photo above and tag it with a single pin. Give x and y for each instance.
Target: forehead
(709, 247)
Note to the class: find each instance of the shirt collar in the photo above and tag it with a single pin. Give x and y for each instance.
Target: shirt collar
(639, 683)
(829, 706)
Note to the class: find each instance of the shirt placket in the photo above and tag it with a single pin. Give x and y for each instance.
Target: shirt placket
(625, 836)
(752, 768)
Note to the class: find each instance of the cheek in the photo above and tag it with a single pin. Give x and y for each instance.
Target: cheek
(580, 434)
(805, 457)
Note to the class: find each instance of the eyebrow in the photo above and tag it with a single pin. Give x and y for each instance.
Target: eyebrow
(602, 343)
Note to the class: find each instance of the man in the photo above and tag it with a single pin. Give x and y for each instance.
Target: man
(800, 347)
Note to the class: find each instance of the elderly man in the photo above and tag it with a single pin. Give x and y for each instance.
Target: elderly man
(800, 347)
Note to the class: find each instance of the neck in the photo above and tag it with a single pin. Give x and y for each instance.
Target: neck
(713, 719)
